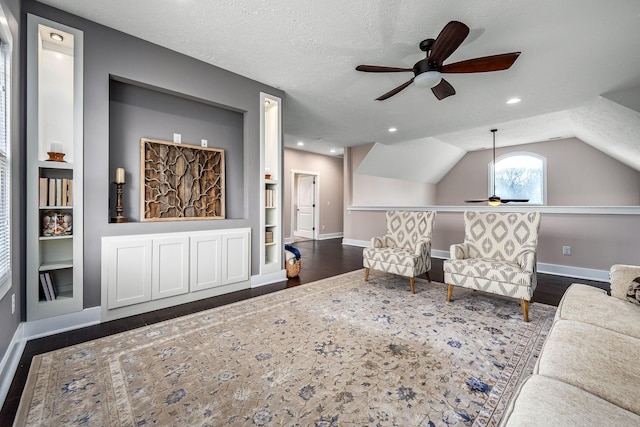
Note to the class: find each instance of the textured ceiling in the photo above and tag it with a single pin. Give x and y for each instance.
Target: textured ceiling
(573, 52)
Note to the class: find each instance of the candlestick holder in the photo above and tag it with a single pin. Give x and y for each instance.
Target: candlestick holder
(119, 218)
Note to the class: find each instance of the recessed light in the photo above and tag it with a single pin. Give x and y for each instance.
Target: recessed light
(57, 37)
(514, 101)
(300, 143)
(333, 150)
(392, 129)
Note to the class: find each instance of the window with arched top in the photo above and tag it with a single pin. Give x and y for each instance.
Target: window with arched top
(519, 175)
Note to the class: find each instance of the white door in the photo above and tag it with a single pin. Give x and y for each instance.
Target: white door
(205, 259)
(170, 275)
(306, 205)
(128, 272)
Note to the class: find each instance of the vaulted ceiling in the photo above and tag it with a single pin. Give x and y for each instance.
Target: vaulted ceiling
(578, 74)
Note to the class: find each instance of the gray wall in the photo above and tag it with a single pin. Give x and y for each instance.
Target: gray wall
(137, 112)
(577, 175)
(9, 322)
(112, 53)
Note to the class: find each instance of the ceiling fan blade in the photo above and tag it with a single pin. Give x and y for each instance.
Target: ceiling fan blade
(443, 89)
(379, 69)
(482, 65)
(449, 39)
(394, 91)
(515, 200)
(476, 201)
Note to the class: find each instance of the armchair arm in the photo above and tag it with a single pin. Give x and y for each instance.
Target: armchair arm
(621, 277)
(377, 242)
(459, 251)
(527, 260)
(423, 247)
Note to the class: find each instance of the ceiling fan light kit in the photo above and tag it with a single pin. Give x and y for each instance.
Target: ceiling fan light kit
(428, 71)
(428, 79)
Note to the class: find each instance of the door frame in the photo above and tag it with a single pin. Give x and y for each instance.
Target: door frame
(294, 198)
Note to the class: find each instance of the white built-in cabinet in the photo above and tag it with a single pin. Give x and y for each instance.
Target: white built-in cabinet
(54, 182)
(271, 238)
(151, 271)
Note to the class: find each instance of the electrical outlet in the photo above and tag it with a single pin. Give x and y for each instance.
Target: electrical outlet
(13, 303)
(204, 142)
(177, 138)
(566, 250)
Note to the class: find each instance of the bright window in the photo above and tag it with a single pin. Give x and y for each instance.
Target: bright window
(5, 165)
(519, 175)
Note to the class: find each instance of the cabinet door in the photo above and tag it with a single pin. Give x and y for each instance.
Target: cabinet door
(205, 262)
(170, 275)
(128, 273)
(235, 257)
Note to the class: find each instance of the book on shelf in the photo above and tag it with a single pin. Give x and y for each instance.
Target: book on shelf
(70, 193)
(52, 292)
(58, 191)
(44, 192)
(45, 287)
(65, 185)
(51, 200)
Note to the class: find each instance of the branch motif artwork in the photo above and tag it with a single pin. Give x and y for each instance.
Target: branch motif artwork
(181, 181)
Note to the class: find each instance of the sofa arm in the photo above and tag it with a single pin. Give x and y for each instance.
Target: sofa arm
(621, 276)
(459, 251)
(527, 260)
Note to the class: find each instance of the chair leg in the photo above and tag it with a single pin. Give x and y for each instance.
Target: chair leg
(426, 273)
(449, 292)
(366, 274)
(525, 309)
(412, 282)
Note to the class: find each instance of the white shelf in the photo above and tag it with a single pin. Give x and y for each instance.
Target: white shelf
(55, 165)
(70, 236)
(57, 265)
(55, 207)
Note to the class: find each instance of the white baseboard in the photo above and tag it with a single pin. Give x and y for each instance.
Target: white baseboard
(66, 322)
(267, 279)
(328, 236)
(360, 243)
(36, 329)
(10, 362)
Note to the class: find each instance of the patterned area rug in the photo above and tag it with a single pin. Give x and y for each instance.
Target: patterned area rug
(337, 352)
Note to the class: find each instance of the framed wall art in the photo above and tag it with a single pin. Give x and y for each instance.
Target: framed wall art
(181, 181)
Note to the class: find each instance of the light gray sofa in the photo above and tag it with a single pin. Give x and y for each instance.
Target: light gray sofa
(588, 371)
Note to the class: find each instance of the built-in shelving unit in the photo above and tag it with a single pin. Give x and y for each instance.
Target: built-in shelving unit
(271, 243)
(54, 181)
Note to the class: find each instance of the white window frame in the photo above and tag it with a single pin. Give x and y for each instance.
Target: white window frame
(6, 49)
(526, 154)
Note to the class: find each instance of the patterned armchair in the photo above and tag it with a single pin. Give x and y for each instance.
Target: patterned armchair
(498, 256)
(406, 248)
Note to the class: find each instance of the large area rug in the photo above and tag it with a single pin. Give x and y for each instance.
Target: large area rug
(337, 352)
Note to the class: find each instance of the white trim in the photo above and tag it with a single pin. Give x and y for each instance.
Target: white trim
(66, 322)
(327, 236)
(354, 242)
(11, 361)
(569, 210)
(269, 278)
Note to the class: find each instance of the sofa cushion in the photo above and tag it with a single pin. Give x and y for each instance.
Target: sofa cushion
(621, 277)
(597, 360)
(588, 304)
(542, 401)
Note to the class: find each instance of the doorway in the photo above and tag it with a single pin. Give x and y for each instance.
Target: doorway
(305, 207)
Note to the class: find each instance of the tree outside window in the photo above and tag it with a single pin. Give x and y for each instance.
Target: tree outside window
(519, 176)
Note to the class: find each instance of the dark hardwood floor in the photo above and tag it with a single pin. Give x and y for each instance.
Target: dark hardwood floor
(320, 259)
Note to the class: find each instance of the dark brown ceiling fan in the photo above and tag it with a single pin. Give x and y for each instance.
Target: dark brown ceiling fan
(428, 72)
(495, 200)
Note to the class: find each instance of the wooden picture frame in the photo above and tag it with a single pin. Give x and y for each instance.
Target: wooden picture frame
(180, 181)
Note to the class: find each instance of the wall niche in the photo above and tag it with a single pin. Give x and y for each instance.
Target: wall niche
(138, 111)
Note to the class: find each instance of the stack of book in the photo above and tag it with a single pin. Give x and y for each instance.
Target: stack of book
(270, 198)
(47, 286)
(56, 192)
